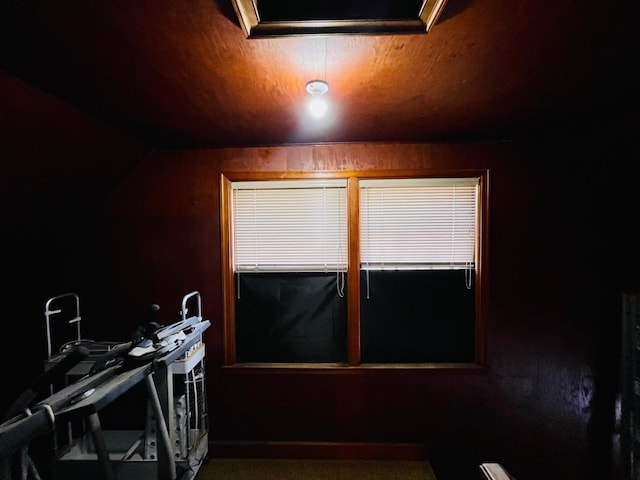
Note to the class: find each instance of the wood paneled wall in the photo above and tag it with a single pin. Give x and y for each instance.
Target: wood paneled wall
(559, 259)
(545, 399)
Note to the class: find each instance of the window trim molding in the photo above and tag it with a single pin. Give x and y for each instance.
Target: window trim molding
(353, 285)
(253, 26)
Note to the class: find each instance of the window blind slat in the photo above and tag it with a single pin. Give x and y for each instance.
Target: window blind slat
(418, 223)
(289, 226)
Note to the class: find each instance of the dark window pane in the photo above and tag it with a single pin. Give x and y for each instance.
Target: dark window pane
(296, 10)
(290, 317)
(417, 316)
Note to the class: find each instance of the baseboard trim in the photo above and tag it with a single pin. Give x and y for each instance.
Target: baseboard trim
(318, 450)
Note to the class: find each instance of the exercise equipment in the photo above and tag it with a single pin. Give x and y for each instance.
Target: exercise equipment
(172, 445)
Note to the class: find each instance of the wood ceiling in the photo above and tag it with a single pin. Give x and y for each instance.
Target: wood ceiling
(184, 74)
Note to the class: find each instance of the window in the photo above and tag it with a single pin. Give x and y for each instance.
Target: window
(417, 239)
(277, 18)
(289, 264)
(353, 269)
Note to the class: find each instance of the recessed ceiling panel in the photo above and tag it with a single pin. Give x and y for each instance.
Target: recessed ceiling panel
(263, 18)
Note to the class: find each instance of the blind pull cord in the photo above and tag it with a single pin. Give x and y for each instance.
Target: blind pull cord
(340, 283)
(468, 277)
(367, 274)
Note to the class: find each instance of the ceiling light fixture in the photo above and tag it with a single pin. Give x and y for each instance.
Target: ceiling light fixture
(317, 105)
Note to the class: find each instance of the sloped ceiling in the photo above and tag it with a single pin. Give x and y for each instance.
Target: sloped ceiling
(183, 74)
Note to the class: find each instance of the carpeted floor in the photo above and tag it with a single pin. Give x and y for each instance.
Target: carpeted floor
(284, 469)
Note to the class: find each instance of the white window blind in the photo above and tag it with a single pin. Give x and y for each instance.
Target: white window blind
(418, 223)
(289, 225)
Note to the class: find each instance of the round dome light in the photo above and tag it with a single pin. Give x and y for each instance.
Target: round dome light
(317, 87)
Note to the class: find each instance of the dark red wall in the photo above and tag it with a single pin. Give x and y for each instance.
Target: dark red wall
(547, 399)
(561, 253)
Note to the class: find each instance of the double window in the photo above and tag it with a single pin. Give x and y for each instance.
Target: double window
(352, 269)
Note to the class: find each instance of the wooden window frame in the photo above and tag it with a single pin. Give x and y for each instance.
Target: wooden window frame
(353, 283)
(253, 26)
